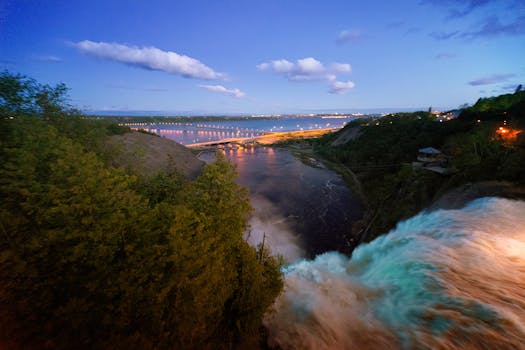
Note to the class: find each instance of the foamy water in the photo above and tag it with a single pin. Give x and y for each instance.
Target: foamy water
(269, 225)
(449, 279)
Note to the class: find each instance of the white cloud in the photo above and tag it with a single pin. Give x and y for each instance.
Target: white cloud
(310, 69)
(341, 67)
(310, 66)
(306, 69)
(150, 58)
(278, 66)
(219, 88)
(340, 87)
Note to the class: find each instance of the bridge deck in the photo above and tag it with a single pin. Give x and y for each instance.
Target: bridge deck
(267, 138)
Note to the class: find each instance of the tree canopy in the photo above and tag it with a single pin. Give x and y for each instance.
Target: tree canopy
(94, 257)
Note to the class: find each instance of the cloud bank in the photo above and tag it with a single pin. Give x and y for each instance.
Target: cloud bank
(491, 79)
(150, 58)
(309, 69)
(221, 89)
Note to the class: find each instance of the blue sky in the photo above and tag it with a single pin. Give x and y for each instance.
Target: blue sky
(272, 56)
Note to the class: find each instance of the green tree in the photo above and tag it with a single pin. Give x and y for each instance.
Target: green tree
(92, 257)
(23, 95)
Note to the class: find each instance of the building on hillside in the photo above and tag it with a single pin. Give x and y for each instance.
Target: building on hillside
(445, 116)
(434, 160)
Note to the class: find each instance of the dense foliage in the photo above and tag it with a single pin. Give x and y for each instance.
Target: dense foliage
(382, 156)
(93, 257)
(498, 104)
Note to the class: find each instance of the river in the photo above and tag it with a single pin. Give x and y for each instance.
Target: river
(301, 210)
(444, 279)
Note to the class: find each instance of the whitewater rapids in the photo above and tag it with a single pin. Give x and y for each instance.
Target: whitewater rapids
(448, 279)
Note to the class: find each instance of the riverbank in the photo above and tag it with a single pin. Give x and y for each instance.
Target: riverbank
(446, 197)
(304, 150)
(382, 154)
(376, 160)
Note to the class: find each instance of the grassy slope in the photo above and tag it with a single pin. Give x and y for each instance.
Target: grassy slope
(149, 155)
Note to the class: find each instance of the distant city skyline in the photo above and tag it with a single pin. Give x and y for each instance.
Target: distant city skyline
(267, 57)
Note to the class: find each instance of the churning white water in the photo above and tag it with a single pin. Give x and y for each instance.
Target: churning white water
(269, 225)
(448, 279)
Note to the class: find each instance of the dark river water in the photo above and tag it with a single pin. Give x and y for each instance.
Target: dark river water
(302, 211)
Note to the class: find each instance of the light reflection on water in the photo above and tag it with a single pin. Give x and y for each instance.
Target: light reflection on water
(294, 202)
(196, 132)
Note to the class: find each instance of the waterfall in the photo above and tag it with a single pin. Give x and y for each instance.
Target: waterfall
(447, 279)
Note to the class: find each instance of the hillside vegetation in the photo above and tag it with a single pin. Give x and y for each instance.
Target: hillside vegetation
(381, 157)
(94, 256)
(149, 154)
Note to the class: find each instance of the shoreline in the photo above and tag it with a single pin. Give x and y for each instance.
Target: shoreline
(304, 152)
(360, 228)
(268, 138)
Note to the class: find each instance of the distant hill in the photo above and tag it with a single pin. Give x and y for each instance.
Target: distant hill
(149, 154)
(497, 108)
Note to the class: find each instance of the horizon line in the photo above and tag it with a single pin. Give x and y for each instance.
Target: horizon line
(164, 113)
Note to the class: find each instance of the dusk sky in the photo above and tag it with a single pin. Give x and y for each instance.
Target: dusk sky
(272, 56)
